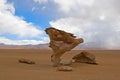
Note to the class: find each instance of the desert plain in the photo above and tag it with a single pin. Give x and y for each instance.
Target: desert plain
(108, 67)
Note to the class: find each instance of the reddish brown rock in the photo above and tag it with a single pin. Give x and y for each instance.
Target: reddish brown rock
(22, 60)
(66, 63)
(64, 68)
(85, 57)
(60, 42)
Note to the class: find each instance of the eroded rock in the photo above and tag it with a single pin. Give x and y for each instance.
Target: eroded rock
(27, 61)
(64, 68)
(66, 63)
(85, 57)
(60, 42)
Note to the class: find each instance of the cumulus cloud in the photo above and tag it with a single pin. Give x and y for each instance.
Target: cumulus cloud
(97, 21)
(69, 5)
(22, 42)
(16, 26)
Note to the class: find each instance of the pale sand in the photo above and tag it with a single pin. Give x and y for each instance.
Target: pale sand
(11, 69)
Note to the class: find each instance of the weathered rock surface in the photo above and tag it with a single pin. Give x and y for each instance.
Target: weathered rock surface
(27, 61)
(85, 57)
(60, 42)
(64, 68)
(66, 63)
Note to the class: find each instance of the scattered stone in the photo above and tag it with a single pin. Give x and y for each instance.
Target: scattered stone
(64, 68)
(66, 63)
(85, 57)
(26, 61)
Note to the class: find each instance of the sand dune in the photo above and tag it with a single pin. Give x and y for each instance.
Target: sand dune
(11, 69)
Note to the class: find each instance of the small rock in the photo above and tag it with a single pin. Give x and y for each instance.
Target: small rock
(66, 63)
(26, 61)
(64, 68)
(85, 57)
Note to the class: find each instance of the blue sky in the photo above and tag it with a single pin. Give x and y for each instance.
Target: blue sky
(23, 22)
(34, 12)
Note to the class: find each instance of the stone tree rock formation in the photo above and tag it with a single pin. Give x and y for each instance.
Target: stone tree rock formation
(60, 42)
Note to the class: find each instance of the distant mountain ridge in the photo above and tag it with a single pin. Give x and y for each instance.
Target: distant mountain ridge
(40, 46)
(89, 45)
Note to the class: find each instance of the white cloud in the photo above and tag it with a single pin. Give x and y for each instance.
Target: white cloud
(40, 1)
(96, 21)
(21, 42)
(11, 24)
(6, 8)
(33, 9)
(17, 26)
(71, 24)
(43, 8)
(69, 5)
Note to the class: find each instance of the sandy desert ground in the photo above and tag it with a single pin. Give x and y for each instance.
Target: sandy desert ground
(11, 69)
